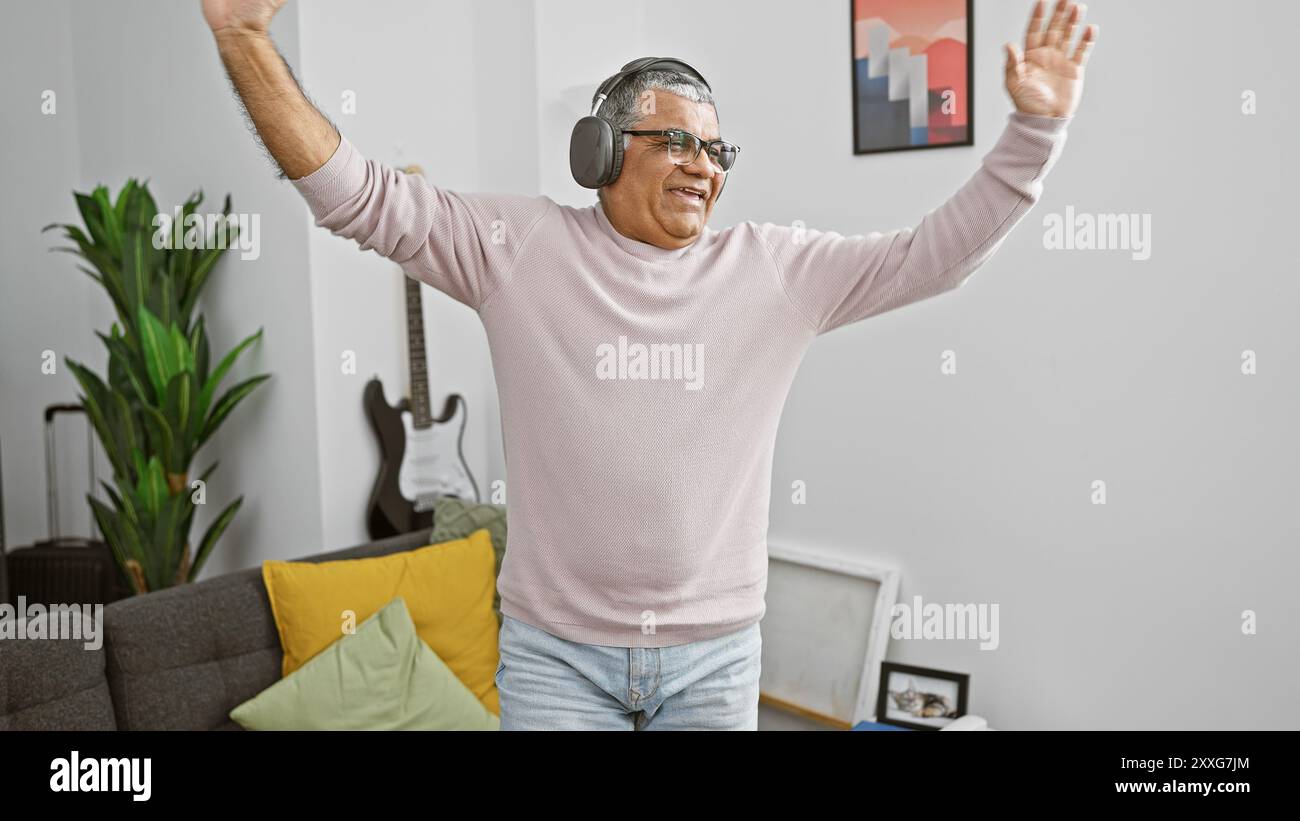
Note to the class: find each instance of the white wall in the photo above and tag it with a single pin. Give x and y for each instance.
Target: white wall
(1072, 366)
(45, 302)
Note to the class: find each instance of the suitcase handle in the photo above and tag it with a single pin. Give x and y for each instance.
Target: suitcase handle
(51, 477)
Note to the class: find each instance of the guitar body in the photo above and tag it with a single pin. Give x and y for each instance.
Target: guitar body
(388, 514)
(417, 464)
(432, 464)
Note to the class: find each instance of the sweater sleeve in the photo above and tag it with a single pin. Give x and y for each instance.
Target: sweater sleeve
(833, 280)
(462, 244)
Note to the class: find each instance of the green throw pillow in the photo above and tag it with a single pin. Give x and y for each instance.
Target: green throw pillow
(383, 677)
(455, 519)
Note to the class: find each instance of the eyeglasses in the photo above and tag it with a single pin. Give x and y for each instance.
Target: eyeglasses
(684, 147)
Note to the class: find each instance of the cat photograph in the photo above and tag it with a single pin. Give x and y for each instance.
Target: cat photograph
(920, 698)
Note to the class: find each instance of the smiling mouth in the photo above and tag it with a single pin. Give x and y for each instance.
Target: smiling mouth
(687, 195)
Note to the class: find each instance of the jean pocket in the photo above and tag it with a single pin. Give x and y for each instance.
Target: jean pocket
(501, 665)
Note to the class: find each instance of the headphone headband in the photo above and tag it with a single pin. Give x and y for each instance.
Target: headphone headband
(638, 66)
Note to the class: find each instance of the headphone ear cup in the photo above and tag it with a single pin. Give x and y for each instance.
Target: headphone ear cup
(616, 166)
(593, 152)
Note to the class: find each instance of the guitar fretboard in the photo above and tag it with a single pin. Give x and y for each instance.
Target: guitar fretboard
(416, 356)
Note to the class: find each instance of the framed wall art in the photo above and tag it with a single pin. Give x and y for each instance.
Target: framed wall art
(913, 76)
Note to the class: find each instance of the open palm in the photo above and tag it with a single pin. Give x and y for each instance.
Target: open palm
(1047, 78)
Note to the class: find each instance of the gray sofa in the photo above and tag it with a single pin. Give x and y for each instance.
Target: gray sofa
(177, 659)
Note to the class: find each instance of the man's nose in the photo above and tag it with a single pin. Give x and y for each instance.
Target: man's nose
(702, 166)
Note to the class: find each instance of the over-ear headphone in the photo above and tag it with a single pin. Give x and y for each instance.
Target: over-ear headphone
(596, 146)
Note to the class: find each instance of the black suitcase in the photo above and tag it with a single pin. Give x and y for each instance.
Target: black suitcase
(64, 570)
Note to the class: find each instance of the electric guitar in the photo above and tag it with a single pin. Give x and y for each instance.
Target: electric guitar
(421, 456)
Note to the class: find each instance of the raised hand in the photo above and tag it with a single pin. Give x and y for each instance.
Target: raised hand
(1047, 79)
(250, 15)
(297, 136)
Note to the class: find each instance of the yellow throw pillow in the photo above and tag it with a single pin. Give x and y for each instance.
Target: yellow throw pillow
(448, 589)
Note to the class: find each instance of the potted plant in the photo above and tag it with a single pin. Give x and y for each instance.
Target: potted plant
(158, 404)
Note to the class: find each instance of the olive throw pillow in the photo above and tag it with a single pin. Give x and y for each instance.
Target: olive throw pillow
(383, 677)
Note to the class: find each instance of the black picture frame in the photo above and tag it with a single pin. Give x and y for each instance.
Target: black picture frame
(970, 88)
(888, 668)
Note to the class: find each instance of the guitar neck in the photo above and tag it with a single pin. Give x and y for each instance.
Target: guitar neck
(416, 356)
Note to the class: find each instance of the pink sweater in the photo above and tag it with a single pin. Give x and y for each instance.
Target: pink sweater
(640, 388)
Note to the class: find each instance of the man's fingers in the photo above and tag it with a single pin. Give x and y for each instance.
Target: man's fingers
(1034, 34)
(1071, 21)
(1056, 27)
(1085, 45)
(1015, 64)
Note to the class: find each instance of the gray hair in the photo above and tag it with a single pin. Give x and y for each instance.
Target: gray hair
(623, 106)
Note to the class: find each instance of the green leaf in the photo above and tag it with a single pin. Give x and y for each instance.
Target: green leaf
(162, 436)
(181, 354)
(111, 526)
(161, 301)
(199, 347)
(156, 349)
(136, 276)
(112, 285)
(108, 218)
(151, 488)
(123, 197)
(142, 208)
(210, 537)
(207, 258)
(119, 351)
(123, 503)
(89, 209)
(125, 432)
(184, 257)
(166, 546)
(98, 402)
(214, 381)
(180, 403)
(227, 403)
(205, 474)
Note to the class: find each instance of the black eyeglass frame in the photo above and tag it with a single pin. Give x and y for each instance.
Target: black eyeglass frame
(703, 144)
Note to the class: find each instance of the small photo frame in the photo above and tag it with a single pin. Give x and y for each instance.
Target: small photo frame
(920, 698)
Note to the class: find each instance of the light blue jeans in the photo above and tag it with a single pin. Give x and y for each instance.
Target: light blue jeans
(548, 683)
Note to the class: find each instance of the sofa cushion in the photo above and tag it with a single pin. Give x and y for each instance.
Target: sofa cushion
(383, 677)
(68, 693)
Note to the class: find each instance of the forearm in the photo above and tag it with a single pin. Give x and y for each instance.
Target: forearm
(833, 279)
(299, 138)
(956, 238)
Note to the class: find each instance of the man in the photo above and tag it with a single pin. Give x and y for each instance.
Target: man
(642, 361)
